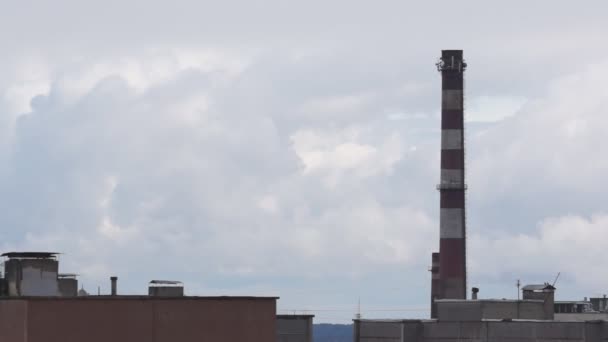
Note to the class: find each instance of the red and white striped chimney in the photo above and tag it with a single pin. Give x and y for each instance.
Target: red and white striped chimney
(452, 245)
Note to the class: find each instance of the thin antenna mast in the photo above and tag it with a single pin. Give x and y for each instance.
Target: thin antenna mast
(555, 281)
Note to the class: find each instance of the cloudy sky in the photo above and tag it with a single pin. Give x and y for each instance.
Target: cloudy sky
(292, 148)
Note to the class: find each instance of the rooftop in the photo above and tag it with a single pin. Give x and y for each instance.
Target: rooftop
(482, 320)
(488, 300)
(166, 282)
(295, 316)
(134, 297)
(31, 255)
(572, 302)
(394, 320)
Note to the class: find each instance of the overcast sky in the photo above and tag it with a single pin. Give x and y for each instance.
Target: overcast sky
(292, 148)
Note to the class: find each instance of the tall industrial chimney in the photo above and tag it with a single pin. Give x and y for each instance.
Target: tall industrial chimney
(452, 230)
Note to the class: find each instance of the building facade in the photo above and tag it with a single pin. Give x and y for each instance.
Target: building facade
(137, 318)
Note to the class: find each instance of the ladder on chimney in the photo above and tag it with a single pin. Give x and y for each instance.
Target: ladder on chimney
(466, 226)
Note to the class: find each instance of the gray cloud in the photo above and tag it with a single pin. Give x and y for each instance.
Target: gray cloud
(180, 172)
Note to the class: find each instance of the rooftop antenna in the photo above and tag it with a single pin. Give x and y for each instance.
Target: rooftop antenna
(358, 315)
(518, 284)
(557, 277)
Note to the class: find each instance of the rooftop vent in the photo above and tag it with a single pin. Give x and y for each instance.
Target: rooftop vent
(166, 288)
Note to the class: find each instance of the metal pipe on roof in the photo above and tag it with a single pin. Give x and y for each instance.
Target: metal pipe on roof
(474, 292)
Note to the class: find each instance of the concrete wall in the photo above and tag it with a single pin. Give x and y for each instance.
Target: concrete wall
(128, 319)
(68, 287)
(166, 291)
(481, 331)
(294, 328)
(3, 287)
(599, 304)
(548, 296)
(459, 311)
(389, 331)
(476, 310)
(13, 315)
(581, 317)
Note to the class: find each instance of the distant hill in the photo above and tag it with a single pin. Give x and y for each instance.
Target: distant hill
(333, 332)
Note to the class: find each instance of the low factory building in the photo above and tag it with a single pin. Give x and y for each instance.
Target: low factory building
(580, 311)
(39, 304)
(137, 318)
(36, 274)
(536, 317)
(537, 304)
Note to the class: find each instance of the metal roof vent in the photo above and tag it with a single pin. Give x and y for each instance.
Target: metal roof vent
(165, 288)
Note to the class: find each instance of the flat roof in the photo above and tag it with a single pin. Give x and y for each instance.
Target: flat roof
(572, 302)
(394, 320)
(482, 320)
(137, 297)
(489, 300)
(588, 313)
(166, 282)
(38, 255)
(295, 316)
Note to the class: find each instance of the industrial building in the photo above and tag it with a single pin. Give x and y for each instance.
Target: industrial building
(535, 317)
(39, 304)
(479, 331)
(294, 328)
(137, 318)
(36, 274)
(585, 310)
(452, 222)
